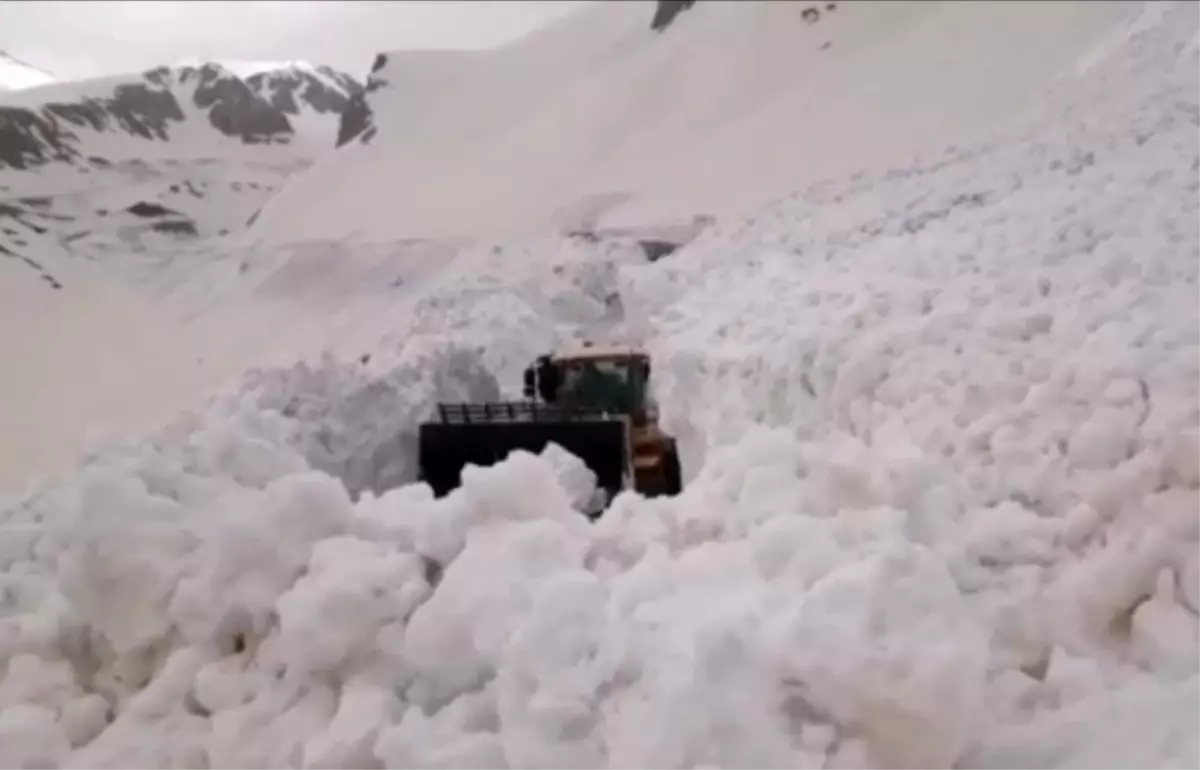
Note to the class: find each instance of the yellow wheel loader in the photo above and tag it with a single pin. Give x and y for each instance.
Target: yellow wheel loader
(591, 400)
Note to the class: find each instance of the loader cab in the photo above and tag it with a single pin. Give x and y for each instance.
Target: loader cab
(613, 380)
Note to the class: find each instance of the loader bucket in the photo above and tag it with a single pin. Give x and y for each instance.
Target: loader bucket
(484, 434)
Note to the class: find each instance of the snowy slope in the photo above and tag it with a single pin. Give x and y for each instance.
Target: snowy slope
(940, 424)
(732, 105)
(409, 79)
(16, 75)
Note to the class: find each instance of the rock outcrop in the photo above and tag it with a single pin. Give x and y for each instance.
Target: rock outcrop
(358, 122)
(666, 11)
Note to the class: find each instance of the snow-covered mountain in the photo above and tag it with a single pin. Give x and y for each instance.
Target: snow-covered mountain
(171, 113)
(16, 75)
(939, 411)
(108, 168)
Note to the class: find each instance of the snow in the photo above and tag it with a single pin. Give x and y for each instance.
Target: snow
(244, 69)
(16, 75)
(735, 105)
(940, 433)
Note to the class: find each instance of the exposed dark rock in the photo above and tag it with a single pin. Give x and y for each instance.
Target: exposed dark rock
(144, 209)
(282, 95)
(666, 12)
(656, 250)
(174, 227)
(31, 137)
(236, 110)
(811, 15)
(254, 110)
(432, 571)
(28, 139)
(325, 90)
(159, 76)
(145, 112)
(357, 118)
(34, 265)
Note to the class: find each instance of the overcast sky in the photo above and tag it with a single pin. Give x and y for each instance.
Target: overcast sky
(85, 39)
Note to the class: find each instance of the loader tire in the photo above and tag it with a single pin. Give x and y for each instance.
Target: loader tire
(672, 473)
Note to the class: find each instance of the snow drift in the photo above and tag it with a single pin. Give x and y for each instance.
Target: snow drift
(732, 105)
(941, 428)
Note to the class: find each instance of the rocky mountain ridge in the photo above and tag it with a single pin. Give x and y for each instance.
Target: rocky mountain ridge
(66, 122)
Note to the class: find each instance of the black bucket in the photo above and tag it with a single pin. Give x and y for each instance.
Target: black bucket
(486, 434)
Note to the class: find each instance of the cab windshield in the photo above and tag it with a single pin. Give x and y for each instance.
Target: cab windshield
(600, 383)
(611, 368)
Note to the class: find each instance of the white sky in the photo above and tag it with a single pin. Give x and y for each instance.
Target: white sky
(73, 39)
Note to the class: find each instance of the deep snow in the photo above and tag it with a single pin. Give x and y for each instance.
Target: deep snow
(941, 429)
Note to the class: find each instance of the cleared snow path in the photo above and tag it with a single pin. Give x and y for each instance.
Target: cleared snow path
(945, 512)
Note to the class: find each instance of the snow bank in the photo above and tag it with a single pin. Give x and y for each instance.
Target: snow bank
(941, 425)
(733, 105)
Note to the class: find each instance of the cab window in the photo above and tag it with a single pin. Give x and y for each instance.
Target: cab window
(619, 369)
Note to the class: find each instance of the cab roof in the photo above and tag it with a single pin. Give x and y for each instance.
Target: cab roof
(589, 352)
